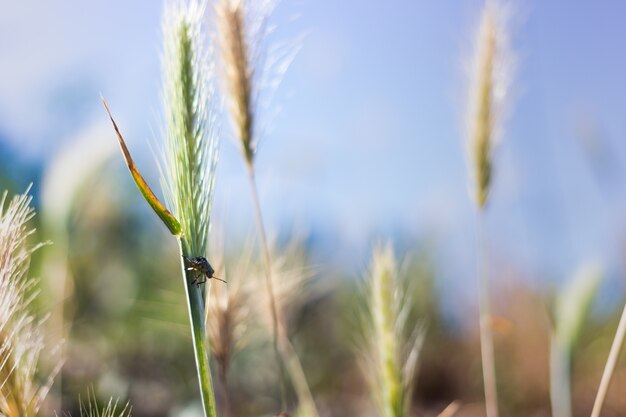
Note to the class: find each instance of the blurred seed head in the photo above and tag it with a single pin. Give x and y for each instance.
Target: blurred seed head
(191, 145)
(21, 334)
(292, 282)
(228, 308)
(238, 70)
(490, 81)
(392, 344)
(236, 313)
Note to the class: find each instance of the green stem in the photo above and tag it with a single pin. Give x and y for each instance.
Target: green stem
(195, 304)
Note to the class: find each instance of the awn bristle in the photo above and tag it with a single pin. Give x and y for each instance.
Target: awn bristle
(112, 409)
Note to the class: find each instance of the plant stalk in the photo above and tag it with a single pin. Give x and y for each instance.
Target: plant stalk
(486, 335)
(611, 362)
(195, 305)
(269, 284)
(298, 378)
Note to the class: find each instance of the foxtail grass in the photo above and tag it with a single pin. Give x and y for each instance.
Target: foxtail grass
(488, 90)
(392, 342)
(570, 312)
(241, 28)
(190, 158)
(21, 334)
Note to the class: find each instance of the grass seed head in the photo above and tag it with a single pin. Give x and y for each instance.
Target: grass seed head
(490, 81)
(191, 148)
(392, 348)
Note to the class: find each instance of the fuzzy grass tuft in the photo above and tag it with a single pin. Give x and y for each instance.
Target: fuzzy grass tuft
(22, 386)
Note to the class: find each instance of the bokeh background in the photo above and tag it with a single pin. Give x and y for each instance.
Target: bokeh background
(364, 142)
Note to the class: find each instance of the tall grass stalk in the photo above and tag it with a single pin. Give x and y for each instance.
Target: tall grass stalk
(391, 356)
(21, 334)
(239, 74)
(489, 86)
(190, 158)
(241, 30)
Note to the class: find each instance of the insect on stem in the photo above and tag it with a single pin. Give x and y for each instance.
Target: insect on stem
(203, 268)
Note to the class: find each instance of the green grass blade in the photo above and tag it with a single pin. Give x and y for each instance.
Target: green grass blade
(164, 214)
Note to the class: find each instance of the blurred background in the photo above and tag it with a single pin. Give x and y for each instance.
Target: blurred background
(364, 142)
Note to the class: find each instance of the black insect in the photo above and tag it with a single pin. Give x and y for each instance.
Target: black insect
(202, 268)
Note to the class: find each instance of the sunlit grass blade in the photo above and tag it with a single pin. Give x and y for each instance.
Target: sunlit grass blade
(164, 214)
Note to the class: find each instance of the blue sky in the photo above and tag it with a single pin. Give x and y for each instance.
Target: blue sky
(368, 141)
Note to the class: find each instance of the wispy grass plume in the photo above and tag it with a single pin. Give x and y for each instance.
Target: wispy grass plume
(190, 158)
(489, 86)
(393, 343)
(22, 386)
